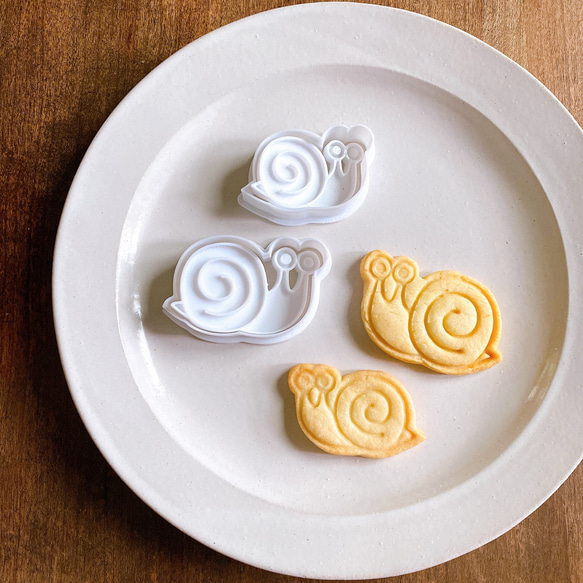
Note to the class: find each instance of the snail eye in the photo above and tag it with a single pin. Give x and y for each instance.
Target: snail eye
(405, 271)
(380, 267)
(304, 381)
(309, 261)
(354, 152)
(325, 381)
(335, 150)
(284, 258)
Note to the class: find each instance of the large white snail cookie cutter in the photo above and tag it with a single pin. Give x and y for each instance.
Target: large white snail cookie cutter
(299, 177)
(229, 289)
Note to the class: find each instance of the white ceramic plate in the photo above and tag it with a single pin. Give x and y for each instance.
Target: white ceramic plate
(478, 169)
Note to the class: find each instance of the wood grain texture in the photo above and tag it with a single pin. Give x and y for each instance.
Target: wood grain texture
(64, 66)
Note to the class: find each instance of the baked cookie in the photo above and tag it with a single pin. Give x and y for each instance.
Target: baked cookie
(365, 413)
(445, 321)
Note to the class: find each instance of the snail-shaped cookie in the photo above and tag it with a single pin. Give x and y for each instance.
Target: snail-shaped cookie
(365, 413)
(446, 321)
(299, 177)
(223, 292)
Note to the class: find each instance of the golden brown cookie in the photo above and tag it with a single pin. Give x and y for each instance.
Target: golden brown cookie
(446, 321)
(366, 413)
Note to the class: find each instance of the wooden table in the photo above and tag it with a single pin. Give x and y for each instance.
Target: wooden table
(64, 515)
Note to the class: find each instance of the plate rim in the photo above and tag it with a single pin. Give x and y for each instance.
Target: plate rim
(339, 565)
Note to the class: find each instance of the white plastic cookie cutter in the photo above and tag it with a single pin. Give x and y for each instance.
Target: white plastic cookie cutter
(229, 289)
(298, 177)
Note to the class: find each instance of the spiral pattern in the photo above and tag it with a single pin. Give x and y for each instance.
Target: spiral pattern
(223, 287)
(292, 172)
(453, 319)
(372, 418)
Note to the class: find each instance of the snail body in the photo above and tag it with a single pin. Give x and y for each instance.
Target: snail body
(222, 292)
(364, 413)
(445, 321)
(298, 177)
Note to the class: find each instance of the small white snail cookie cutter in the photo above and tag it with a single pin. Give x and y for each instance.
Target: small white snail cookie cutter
(299, 177)
(229, 289)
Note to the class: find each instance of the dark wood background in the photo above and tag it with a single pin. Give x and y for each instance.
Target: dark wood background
(64, 66)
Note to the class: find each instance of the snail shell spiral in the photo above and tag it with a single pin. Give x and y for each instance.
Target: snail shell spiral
(222, 292)
(452, 321)
(370, 416)
(292, 172)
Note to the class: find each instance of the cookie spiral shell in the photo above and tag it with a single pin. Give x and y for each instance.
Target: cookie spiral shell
(372, 417)
(452, 320)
